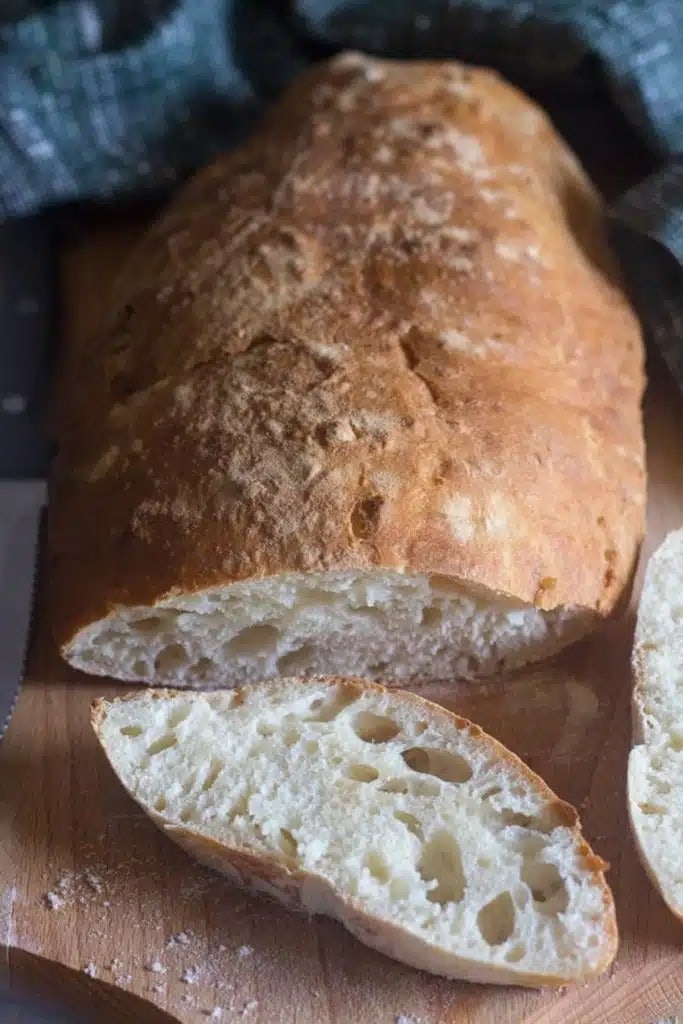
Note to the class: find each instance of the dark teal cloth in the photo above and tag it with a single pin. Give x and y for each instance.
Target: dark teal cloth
(104, 99)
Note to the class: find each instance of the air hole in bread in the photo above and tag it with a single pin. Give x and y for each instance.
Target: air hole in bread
(362, 773)
(170, 658)
(515, 953)
(496, 921)
(441, 763)
(410, 822)
(163, 743)
(314, 596)
(131, 730)
(179, 714)
(420, 727)
(400, 888)
(326, 710)
(377, 866)
(648, 808)
(215, 769)
(160, 804)
(239, 809)
(548, 890)
(510, 817)
(431, 615)
(203, 667)
(373, 728)
(365, 515)
(441, 863)
(149, 624)
(253, 640)
(140, 668)
(368, 612)
(491, 791)
(295, 662)
(529, 844)
(288, 844)
(413, 787)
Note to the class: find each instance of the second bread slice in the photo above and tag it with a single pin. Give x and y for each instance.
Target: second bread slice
(655, 767)
(424, 836)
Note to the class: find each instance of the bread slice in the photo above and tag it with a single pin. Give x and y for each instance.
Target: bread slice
(367, 401)
(655, 767)
(424, 836)
(411, 626)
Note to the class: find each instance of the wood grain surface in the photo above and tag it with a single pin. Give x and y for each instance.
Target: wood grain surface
(96, 905)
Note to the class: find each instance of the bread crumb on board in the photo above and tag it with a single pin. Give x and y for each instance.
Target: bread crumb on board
(90, 969)
(190, 975)
(156, 967)
(244, 951)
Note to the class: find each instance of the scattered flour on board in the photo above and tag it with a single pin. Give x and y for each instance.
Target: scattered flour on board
(244, 951)
(74, 887)
(406, 1018)
(190, 975)
(179, 939)
(90, 969)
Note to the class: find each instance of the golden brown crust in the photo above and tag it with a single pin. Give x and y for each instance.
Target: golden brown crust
(386, 332)
(268, 875)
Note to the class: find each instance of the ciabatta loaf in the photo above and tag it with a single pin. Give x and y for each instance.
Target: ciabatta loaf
(655, 768)
(367, 401)
(425, 837)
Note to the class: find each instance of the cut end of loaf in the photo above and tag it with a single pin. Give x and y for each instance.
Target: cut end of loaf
(379, 624)
(424, 836)
(655, 771)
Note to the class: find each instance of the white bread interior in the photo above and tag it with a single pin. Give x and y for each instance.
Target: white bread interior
(655, 770)
(373, 624)
(424, 836)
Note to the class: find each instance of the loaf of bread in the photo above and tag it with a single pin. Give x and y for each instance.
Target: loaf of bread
(424, 836)
(367, 401)
(655, 767)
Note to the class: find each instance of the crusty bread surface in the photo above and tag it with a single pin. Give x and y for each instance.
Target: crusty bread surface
(424, 836)
(367, 399)
(655, 767)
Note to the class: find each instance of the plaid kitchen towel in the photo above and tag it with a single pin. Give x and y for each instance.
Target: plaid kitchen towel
(101, 99)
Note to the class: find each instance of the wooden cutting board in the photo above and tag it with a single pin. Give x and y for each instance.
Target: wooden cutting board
(96, 904)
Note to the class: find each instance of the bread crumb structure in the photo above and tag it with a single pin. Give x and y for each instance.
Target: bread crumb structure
(655, 767)
(423, 835)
